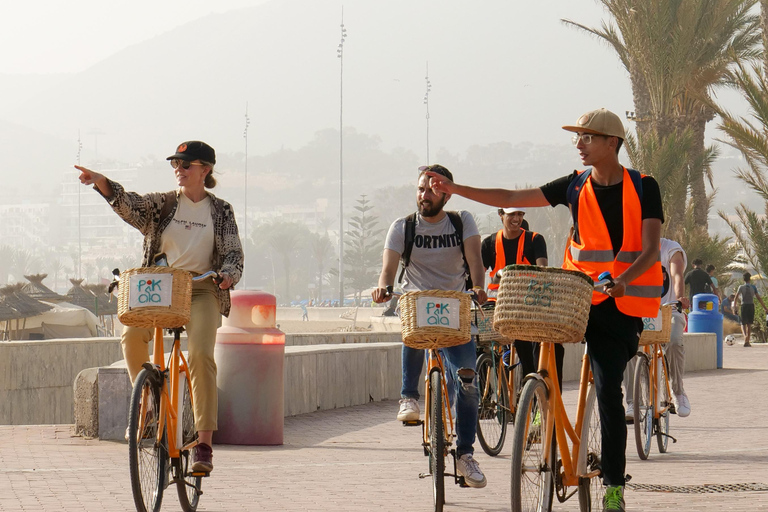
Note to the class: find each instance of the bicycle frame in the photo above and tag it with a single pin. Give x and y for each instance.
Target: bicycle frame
(656, 358)
(558, 424)
(169, 398)
(435, 363)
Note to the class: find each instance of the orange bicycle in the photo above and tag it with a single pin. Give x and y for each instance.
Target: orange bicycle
(652, 404)
(161, 427)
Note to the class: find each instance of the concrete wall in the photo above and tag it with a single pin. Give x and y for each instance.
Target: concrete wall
(36, 377)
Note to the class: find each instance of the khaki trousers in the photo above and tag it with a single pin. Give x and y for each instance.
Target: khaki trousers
(201, 334)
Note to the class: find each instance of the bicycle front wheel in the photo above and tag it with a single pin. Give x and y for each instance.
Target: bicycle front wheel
(147, 457)
(662, 426)
(532, 476)
(591, 490)
(437, 440)
(188, 486)
(492, 408)
(643, 407)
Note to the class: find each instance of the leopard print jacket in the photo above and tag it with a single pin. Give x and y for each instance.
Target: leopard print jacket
(146, 213)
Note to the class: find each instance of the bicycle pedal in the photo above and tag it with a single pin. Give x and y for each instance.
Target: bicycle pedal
(461, 482)
(200, 474)
(413, 423)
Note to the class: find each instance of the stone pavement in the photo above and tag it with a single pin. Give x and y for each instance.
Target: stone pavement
(359, 458)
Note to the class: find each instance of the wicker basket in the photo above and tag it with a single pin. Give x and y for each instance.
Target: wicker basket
(543, 304)
(485, 331)
(649, 337)
(434, 335)
(168, 316)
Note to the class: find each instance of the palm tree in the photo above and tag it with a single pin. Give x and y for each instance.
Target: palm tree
(322, 249)
(675, 52)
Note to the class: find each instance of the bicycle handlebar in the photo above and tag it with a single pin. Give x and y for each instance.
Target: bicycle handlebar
(392, 293)
(211, 273)
(605, 279)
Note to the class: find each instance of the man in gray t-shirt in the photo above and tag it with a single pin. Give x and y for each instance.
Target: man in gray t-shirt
(436, 263)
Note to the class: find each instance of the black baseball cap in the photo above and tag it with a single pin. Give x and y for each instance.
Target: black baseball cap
(194, 150)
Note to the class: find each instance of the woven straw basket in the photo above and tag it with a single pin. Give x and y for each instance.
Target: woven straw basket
(485, 331)
(427, 337)
(662, 336)
(175, 315)
(543, 304)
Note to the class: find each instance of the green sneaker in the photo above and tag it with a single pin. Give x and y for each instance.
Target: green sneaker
(614, 498)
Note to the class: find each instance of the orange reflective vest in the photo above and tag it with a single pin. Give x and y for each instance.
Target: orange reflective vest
(501, 259)
(593, 253)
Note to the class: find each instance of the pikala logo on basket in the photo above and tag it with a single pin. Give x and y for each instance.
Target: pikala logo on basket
(150, 290)
(539, 293)
(437, 312)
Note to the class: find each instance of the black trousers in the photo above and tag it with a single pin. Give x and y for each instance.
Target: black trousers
(612, 339)
(528, 353)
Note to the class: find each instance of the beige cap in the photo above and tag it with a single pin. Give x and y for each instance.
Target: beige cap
(600, 122)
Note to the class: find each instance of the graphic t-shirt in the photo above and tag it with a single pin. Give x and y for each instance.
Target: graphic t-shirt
(188, 240)
(436, 261)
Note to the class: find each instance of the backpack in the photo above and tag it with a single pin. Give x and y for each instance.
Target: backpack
(574, 187)
(410, 236)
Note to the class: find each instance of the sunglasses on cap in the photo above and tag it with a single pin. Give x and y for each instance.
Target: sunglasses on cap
(184, 164)
(437, 169)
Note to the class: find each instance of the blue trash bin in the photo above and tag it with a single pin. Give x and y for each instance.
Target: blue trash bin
(705, 316)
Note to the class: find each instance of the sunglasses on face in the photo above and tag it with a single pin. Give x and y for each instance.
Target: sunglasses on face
(184, 164)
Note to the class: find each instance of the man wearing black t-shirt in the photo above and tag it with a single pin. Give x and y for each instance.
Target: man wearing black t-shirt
(698, 280)
(610, 201)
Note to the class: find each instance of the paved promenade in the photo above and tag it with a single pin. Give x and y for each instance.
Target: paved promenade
(361, 459)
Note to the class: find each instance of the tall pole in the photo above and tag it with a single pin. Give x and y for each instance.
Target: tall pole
(426, 102)
(340, 54)
(79, 222)
(245, 212)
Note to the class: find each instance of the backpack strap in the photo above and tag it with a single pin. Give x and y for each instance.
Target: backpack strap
(410, 235)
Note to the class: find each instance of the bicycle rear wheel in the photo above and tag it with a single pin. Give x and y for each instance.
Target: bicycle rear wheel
(532, 477)
(147, 457)
(437, 440)
(492, 408)
(643, 407)
(188, 486)
(591, 490)
(662, 426)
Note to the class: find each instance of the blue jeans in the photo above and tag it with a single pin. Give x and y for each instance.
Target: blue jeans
(455, 359)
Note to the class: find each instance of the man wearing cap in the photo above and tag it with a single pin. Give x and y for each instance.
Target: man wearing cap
(436, 263)
(617, 216)
(197, 232)
(514, 244)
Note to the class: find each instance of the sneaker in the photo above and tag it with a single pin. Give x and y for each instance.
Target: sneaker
(682, 405)
(534, 431)
(202, 458)
(629, 412)
(409, 410)
(614, 498)
(468, 467)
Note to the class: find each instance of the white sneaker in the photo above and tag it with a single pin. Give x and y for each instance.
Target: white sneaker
(629, 412)
(409, 410)
(468, 467)
(683, 406)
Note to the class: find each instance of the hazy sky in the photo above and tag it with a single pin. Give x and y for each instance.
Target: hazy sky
(64, 36)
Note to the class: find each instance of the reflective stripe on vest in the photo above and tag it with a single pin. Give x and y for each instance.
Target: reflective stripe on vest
(595, 253)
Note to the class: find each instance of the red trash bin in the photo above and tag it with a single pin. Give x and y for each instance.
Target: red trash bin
(250, 353)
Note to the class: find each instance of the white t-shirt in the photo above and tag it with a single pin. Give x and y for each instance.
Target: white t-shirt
(188, 240)
(668, 249)
(436, 261)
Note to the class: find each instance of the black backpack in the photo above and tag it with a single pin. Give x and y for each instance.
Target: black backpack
(410, 236)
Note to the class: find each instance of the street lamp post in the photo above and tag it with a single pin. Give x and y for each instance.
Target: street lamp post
(340, 55)
(79, 217)
(426, 102)
(245, 209)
